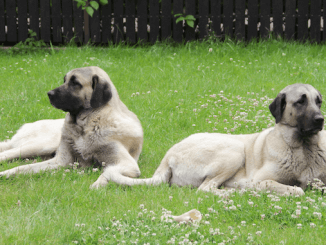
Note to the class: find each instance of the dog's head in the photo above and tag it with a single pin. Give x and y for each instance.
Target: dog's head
(83, 88)
(298, 105)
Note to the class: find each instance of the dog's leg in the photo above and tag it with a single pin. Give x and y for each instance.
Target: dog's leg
(62, 159)
(5, 145)
(29, 150)
(279, 188)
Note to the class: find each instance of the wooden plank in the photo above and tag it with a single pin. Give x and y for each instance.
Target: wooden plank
(34, 15)
(203, 8)
(2, 21)
(228, 18)
(190, 10)
(78, 23)
(106, 22)
(45, 20)
(95, 26)
(11, 21)
(324, 17)
(22, 20)
(177, 28)
(216, 16)
(290, 6)
(166, 19)
(56, 21)
(142, 20)
(303, 7)
(154, 20)
(240, 19)
(315, 14)
(130, 21)
(265, 10)
(118, 21)
(67, 20)
(253, 19)
(277, 6)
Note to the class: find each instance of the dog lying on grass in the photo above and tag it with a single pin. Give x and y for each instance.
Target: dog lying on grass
(282, 159)
(98, 128)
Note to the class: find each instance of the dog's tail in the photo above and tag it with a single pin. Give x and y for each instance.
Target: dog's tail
(163, 174)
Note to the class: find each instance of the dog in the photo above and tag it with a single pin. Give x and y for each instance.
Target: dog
(37, 139)
(282, 159)
(97, 130)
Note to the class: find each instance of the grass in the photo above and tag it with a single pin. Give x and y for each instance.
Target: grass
(175, 91)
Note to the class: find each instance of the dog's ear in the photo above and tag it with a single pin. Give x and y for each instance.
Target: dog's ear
(101, 92)
(277, 107)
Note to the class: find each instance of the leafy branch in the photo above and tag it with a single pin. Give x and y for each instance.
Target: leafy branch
(90, 6)
(190, 19)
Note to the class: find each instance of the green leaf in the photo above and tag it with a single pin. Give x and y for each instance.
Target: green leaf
(94, 4)
(103, 2)
(176, 15)
(190, 17)
(90, 11)
(190, 23)
(179, 19)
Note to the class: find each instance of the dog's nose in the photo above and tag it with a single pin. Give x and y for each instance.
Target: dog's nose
(319, 119)
(50, 93)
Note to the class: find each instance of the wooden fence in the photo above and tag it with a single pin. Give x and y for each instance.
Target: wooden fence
(60, 21)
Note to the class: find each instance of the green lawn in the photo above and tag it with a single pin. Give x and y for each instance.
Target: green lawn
(175, 91)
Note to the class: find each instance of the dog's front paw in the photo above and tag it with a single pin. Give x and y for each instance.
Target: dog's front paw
(100, 182)
(295, 191)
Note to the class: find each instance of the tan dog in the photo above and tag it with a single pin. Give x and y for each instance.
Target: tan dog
(282, 159)
(98, 128)
(40, 138)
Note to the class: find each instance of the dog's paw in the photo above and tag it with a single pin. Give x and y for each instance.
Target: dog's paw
(100, 182)
(295, 191)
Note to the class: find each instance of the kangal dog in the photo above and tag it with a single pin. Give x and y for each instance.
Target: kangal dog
(282, 159)
(98, 128)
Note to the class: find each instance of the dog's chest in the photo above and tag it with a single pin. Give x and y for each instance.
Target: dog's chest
(302, 164)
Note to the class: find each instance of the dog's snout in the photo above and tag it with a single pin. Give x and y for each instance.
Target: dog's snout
(319, 119)
(51, 93)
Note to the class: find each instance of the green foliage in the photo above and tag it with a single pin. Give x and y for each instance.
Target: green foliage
(190, 19)
(29, 45)
(90, 6)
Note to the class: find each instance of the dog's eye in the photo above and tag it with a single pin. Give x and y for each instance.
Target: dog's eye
(318, 101)
(75, 83)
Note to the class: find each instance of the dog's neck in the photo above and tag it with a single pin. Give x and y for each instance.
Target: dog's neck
(293, 138)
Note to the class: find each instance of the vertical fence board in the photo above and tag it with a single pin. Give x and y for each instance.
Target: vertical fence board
(22, 20)
(315, 14)
(78, 23)
(2, 21)
(166, 19)
(203, 18)
(265, 10)
(142, 20)
(216, 16)
(324, 18)
(130, 18)
(177, 28)
(45, 20)
(34, 16)
(67, 20)
(190, 10)
(154, 20)
(106, 14)
(302, 20)
(277, 6)
(56, 21)
(290, 19)
(240, 20)
(11, 21)
(228, 18)
(252, 19)
(118, 21)
(95, 26)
